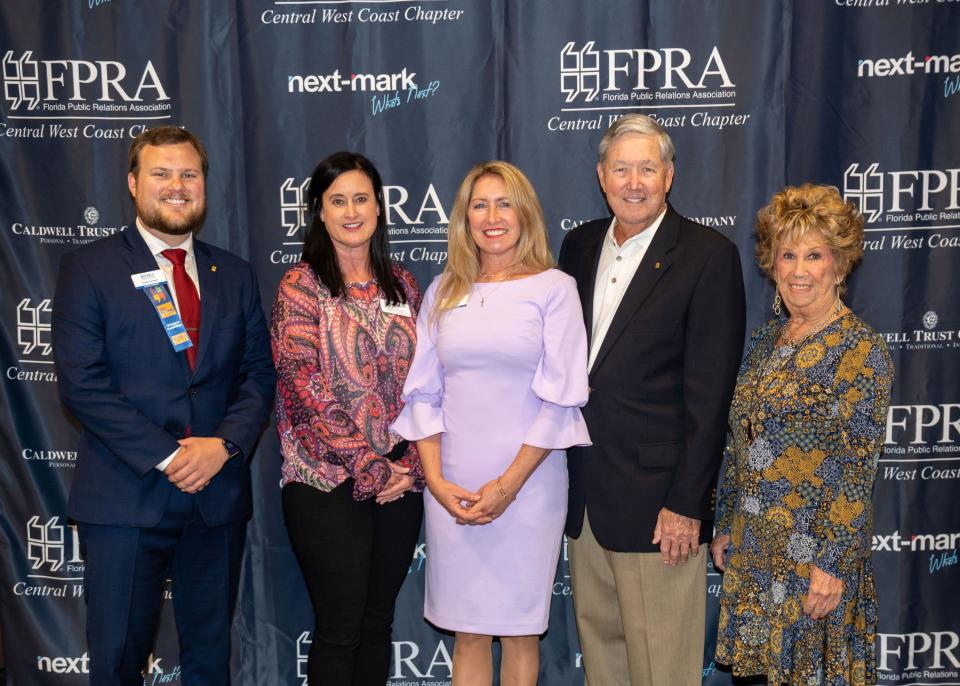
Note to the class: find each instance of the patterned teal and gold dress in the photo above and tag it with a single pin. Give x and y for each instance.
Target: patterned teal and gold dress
(806, 429)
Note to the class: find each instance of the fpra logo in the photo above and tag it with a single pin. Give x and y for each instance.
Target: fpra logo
(420, 219)
(294, 213)
(923, 425)
(865, 188)
(43, 83)
(607, 82)
(579, 72)
(624, 74)
(33, 337)
(910, 209)
(46, 543)
(303, 654)
(932, 193)
(407, 662)
(293, 207)
(33, 327)
(53, 551)
(919, 650)
(21, 80)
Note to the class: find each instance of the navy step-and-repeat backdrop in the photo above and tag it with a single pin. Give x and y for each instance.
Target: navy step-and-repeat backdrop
(862, 94)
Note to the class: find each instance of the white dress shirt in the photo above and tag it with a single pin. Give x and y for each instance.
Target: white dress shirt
(618, 263)
(156, 247)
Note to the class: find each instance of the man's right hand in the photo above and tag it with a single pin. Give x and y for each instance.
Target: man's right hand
(678, 537)
(198, 460)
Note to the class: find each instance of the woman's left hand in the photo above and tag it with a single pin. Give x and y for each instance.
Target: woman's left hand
(491, 505)
(718, 549)
(399, 483)
(824, 594)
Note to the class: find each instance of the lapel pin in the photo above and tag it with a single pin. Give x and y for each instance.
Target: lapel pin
(213, 267)
(656, 266)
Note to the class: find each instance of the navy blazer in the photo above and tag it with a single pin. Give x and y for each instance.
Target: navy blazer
(135, 396)
(661, 384)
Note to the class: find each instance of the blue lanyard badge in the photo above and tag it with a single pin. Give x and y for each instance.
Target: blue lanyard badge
(154, 285)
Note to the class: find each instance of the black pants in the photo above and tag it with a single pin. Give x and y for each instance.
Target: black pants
(354, 557)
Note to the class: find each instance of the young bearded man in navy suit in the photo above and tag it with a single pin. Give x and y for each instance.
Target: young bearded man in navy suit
(163, 356)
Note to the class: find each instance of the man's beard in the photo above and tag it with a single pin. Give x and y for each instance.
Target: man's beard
(156, 221)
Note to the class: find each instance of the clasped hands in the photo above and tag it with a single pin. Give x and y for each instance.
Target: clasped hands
(196, 463)
(467, 507)
(824, 593)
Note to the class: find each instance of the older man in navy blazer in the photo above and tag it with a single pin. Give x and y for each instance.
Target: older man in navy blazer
(663, 304)
(163, 356)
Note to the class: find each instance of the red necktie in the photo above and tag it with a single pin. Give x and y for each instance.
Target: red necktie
(188, 302)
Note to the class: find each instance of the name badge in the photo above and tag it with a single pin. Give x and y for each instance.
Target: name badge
(159, 297)
(148, 278)
(401, 309)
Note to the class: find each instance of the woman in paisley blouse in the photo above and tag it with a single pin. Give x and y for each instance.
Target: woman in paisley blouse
(344, 332)
(794, 505)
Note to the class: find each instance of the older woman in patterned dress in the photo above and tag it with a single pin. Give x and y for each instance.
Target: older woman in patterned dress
(344, 332)
(794, 509)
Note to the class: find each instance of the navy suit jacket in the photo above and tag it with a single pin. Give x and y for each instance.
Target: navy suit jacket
(135, 396)
(661, 384)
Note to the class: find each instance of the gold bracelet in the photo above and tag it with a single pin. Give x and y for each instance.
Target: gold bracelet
(503, 493)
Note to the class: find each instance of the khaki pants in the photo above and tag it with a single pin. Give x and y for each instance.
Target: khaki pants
(641, 622)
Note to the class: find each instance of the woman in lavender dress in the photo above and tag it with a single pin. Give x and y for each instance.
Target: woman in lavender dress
(493, 399)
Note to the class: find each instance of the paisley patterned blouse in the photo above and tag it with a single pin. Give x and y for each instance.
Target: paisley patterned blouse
(796, 489)
(341, 363)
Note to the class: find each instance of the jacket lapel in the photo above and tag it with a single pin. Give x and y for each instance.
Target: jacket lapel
(656, 261)
(590, 259)
(139, 259)
(137, 254)
(209, 296)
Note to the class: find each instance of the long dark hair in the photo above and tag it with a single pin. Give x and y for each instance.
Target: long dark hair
(318, 250)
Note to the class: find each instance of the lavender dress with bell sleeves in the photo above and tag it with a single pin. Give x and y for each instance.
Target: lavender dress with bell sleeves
(504, 369)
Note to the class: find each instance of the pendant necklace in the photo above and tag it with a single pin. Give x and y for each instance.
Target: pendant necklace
(818, 326)
(495, 277)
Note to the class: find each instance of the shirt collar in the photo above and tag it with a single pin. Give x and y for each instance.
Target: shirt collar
(641, 240)
(157, 246)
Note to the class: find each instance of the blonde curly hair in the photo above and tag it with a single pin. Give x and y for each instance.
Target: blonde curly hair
(810, 211)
